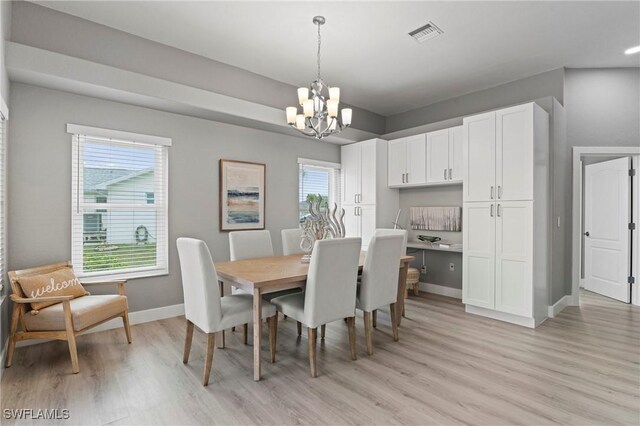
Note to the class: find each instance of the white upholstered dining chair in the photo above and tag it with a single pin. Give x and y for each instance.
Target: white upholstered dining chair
(403, 252)
(330, 293)
(204, 307)
(379, 282)
(291, 239)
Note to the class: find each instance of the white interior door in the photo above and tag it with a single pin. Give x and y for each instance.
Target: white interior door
(607, 195)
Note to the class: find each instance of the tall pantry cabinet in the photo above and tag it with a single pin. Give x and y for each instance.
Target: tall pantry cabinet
(365, 197)
(506, 214)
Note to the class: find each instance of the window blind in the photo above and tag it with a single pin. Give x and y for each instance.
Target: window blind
(3, 207)
(119, 197)
(317, 179)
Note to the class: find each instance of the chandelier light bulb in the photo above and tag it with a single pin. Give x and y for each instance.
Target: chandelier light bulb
(291, 114)
(303, 95)
(334, 94)
(300, 125)
(332, 107)
(308, 108)
(346, 116)
(331, 123)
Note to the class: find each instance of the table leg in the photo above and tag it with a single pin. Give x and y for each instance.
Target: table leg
(257, 332)
(402, 284)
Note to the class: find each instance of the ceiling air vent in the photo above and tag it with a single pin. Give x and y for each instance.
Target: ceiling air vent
(426, 32)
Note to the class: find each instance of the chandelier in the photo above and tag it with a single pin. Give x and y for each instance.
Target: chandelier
(319, 104)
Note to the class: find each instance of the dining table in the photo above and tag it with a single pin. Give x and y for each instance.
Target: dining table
(260, 276)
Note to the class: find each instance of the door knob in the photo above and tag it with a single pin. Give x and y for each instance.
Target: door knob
(586, 234)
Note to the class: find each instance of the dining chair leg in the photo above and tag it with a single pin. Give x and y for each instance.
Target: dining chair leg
(221, 339)
(351, 323)
(245, 331)
(368, 332)
(313, 332)
(323, 328)
(374, 318)
(394, 321)
(12, 336)
(187, 342)
(299, 325)
(208, 360)
(127, 326)
(273, 335)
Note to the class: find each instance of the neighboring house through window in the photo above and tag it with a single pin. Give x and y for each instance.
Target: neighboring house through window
(317, 179)
(119, 190)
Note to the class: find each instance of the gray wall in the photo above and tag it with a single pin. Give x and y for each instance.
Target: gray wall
(40, 178)
(437, 262)
(45, 28)
(538, 86)
(5, 29)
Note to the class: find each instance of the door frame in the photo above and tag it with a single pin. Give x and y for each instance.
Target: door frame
(576, 211)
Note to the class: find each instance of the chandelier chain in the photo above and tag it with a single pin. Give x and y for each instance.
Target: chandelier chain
(319, 43)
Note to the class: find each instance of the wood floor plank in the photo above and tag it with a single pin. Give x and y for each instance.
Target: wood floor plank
(449, 367)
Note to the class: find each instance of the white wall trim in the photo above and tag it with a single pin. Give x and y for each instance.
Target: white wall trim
(138, 317)
(503, 316)
(441, 290)
(120, 135)
(559, 306)
(576, 197)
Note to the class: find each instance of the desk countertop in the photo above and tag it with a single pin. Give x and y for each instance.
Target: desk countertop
(434, 246)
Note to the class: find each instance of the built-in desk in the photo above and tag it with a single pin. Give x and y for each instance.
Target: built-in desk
(429, 246)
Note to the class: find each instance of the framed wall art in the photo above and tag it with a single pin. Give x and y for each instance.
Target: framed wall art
(242, 195)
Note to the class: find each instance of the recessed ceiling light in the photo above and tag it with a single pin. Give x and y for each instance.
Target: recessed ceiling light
(632, 50)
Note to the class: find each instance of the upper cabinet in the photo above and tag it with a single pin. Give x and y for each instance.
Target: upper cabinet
(359, 173)
(444, 156)
(407, 166)
(499, 154)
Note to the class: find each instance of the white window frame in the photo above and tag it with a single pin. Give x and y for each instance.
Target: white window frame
(334, 184)
(78, 207)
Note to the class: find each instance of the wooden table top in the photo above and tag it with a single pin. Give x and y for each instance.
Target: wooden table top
(269, 271)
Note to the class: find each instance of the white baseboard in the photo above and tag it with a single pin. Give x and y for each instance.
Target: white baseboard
(559, 306)
(138, 317)
(503, 316)
(441, 290)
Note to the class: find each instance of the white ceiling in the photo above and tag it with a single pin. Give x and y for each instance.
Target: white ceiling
(366, 50)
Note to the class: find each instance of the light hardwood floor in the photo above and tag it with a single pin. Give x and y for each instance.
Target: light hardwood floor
(582, 367)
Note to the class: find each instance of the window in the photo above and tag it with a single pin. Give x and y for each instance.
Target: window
(119, 191)
(3, 192)
(317, 178)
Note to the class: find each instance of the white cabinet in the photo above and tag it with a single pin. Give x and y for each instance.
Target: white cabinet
(444, 156)
(366, 198)
(505, 274)
(407, 161)
(478, 260)
(499, 154)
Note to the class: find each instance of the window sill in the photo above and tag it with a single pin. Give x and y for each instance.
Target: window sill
(124, 275)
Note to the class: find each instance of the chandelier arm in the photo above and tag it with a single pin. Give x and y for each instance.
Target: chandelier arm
(319, 44)
(307, 133)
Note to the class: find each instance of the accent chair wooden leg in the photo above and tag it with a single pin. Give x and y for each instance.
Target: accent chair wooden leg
(71, 337)
(299, 325)
(394, 321)
(374, 318)
(221, 339)
(208, 360)
(368, 332)
(245, 331)
(127, 326)
(15, 315)
(313, 333)
(323, 328)
(187, 342)
(351, 322)
(273, 334)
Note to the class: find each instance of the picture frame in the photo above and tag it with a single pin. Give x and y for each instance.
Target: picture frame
(242, 195)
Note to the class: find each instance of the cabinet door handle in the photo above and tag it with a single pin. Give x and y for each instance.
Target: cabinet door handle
(355, 198)
(491, 210)
(359, 211)
(407, 177)
(403, 178)
(355, 211)
(492, 192)
(499, 192)
(449, 174)
(498, 210)
(445, 174)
